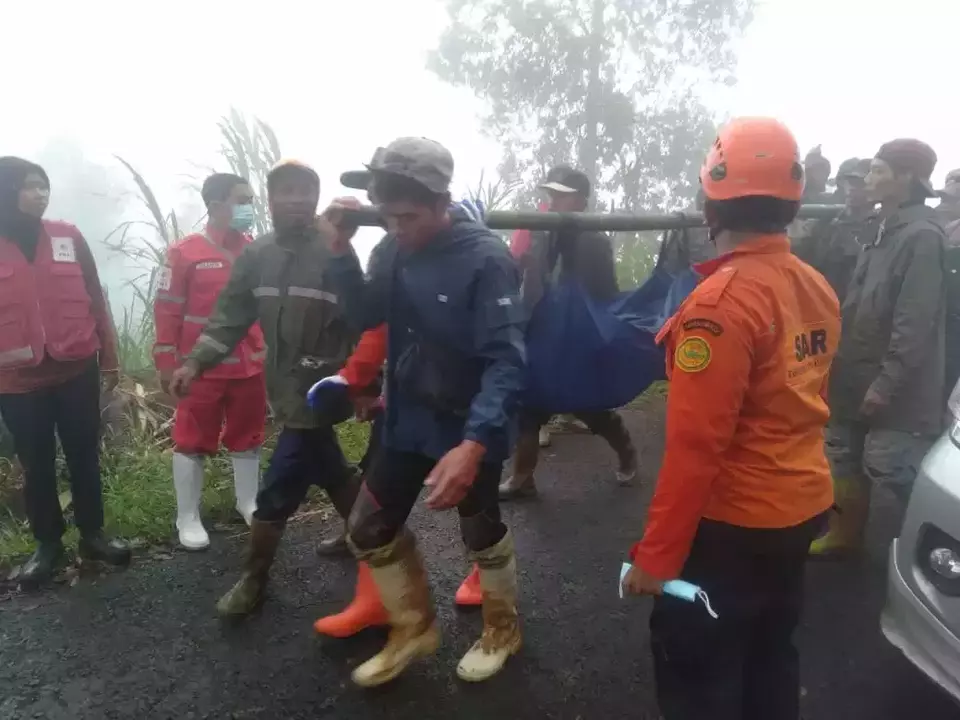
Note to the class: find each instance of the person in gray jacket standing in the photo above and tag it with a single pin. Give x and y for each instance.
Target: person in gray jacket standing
(887, 383)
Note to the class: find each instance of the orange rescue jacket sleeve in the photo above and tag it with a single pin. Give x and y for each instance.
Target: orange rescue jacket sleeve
(168, 309)
(364, 365)
(709, 358)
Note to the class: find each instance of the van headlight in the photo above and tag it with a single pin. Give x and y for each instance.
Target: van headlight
(945, 562)
(938, 558)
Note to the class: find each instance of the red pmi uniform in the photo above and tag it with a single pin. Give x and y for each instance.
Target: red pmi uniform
(52, 311)
(231, 396)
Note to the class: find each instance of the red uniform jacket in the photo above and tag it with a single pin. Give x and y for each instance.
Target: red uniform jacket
(197, 269)
(53, 315)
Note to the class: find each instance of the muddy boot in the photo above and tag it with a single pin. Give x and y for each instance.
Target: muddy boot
(501, 628)
(96, 548)
(614, 431)
(847, 528)
(402, 580)
(334, 545)
(248, 594)
(544, 437)
(469, 593)
(42, 565)
(521, 484)
(363, 612)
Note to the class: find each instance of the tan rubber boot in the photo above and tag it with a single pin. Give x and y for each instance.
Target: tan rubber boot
(845, 536)
(398, 571)
(248, 593)
(501, 628)
(525, 456)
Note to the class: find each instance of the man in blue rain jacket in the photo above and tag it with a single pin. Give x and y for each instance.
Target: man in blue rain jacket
(448, 290)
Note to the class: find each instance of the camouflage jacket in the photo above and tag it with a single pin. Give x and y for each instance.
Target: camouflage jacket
(283, 283)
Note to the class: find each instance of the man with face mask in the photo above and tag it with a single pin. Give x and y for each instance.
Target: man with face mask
(586, 257)
(887, 384)
(280, 280)
(229, 402)
(448, 291)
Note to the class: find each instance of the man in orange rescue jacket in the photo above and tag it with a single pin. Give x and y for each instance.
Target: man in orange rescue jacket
(744, 484)
(229, 402)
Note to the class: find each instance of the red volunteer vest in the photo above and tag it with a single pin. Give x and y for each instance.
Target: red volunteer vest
(44, 305)
(207, 267)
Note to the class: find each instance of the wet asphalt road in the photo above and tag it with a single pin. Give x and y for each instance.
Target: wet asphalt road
(145, 643)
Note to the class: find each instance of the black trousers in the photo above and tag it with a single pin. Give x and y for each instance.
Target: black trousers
(743, 665)
(392, 486)
(301, 458)
(373, 446)
(70, 411)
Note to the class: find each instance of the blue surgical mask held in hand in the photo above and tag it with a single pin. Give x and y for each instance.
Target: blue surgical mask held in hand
(242, 219)
(677, 588)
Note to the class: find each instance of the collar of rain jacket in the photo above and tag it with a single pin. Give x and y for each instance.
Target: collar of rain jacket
(759, 245)
(903, 216)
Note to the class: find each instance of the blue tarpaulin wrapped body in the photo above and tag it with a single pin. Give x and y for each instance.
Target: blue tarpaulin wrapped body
(583, 355)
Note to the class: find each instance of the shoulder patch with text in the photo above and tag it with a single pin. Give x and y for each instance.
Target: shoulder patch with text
(213, 265)
(710, 326)
(693, 354)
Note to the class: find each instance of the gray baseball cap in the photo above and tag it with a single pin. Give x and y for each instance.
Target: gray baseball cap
(425, 161)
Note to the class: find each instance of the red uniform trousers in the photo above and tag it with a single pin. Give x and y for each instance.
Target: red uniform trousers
(230, 411)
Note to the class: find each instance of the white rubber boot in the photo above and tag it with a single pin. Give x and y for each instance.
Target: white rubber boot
(246, 481)
(188, 485)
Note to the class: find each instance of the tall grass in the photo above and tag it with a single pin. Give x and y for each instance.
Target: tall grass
(138, 493)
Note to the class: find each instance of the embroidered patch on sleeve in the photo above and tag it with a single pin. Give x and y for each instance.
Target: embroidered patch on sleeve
(710, 326)
(693, 354)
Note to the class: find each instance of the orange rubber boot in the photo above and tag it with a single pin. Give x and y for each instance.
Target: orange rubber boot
(469, 593)
(363, 612)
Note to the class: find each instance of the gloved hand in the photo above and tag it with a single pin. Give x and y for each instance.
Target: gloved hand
(474, 209)
(330, 398)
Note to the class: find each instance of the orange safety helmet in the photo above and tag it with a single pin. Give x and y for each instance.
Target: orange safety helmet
(753, 157)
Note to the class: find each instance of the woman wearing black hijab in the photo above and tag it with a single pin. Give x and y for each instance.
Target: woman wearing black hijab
(56, 342)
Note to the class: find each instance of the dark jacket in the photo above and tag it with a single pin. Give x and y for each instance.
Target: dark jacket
(283, 284)
(569, 255)
(455, 360)
(833, 247)
(682, 248)
(893, 326)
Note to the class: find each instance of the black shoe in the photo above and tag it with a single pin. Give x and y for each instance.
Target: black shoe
(99, 549)
(332, 546)
(42, 565)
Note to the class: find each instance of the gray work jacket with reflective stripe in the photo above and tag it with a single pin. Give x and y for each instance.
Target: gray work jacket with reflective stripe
(282, 282)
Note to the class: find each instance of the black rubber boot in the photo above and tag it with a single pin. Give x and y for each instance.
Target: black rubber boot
(96, 548)
(42, 565)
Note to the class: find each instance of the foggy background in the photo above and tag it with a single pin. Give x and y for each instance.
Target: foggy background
(510, 86)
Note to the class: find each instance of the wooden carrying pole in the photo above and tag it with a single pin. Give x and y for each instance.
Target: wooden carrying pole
(524, 220)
